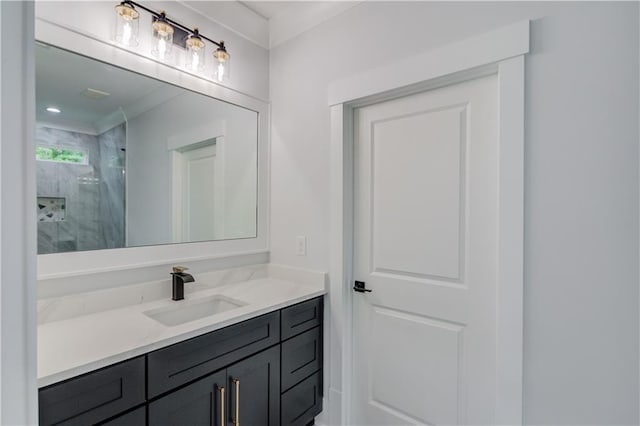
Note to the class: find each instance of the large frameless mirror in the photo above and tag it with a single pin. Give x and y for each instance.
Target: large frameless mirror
(125, 160)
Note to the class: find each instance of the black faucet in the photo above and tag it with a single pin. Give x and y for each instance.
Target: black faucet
(179, 278)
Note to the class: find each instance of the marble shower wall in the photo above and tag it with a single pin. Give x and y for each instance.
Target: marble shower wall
(94, 193)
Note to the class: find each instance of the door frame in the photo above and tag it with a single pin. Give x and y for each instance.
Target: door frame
(501, 52)
(178, 221)
(176, 145)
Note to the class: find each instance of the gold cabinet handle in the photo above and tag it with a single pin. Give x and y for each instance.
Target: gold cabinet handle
(221, 392)
(236, 383)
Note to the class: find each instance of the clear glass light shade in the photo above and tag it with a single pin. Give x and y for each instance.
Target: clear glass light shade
(163, 39)
(222, 62)
(127, 25)
(195, 53)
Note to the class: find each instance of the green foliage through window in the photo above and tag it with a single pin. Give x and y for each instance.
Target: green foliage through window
(60, 155)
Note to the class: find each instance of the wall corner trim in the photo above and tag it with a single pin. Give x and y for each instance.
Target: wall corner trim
(18, 311)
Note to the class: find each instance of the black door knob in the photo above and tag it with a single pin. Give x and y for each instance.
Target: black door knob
(360, 287)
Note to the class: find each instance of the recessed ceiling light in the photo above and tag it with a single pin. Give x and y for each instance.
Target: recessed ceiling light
(54, 110)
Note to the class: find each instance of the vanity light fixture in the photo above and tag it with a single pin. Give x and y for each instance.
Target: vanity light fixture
(166, 32)
(195, 51)
(127, 24)
(221, 58)
(163, 37)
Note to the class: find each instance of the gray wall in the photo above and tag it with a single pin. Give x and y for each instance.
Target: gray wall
(581, 178)
(150, 180)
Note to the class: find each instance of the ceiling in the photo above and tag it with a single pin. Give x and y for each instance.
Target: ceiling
(62, 77)
(269, 23)
(267, 9)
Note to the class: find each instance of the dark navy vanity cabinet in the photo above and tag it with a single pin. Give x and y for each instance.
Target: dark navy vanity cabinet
(263, 371)
(301, 363)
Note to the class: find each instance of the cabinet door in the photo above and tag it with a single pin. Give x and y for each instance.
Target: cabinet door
(254, 385)
(198, 404)
(137, 417)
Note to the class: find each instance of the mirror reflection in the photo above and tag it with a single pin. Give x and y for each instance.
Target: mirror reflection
(126, 160)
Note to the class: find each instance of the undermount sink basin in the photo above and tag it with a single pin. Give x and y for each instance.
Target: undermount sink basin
(191, 310)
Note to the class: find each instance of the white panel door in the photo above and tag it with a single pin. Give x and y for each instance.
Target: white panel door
(199, 194)
(426, 214)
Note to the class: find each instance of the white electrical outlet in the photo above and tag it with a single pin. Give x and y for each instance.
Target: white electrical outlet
(301, 245)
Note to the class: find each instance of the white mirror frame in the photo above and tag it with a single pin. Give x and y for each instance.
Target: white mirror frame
(60, 265)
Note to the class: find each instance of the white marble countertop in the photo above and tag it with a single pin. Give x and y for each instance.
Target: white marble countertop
(77, 345)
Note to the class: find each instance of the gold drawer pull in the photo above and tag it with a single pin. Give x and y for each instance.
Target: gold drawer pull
(221, 392)
(236, 383)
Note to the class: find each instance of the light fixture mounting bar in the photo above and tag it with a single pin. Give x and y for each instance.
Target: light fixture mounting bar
(157, 15)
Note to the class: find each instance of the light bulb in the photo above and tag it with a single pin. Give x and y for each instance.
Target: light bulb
(126, 33)
(162, 48)
(220, 72)
(195, 61)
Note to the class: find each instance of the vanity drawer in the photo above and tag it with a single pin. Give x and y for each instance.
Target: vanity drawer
(301, 357)
(301, 317)
(301, 403)
(186, 361)
(94, 397)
